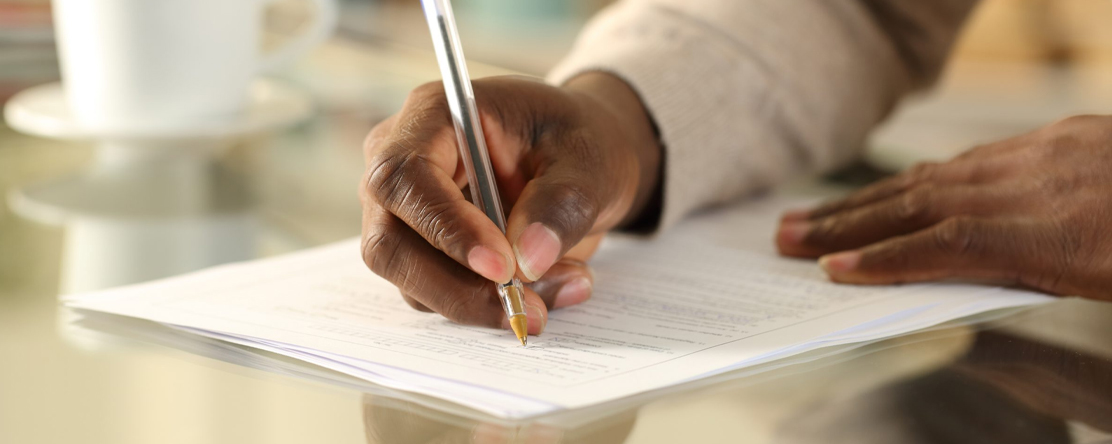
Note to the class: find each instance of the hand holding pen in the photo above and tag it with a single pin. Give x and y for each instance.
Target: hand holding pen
(570, 163)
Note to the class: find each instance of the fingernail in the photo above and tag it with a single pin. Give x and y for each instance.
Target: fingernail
(796, 215)
(489, 263)
(793, 232)
(839, 263)
(536, 250)
(574, 292)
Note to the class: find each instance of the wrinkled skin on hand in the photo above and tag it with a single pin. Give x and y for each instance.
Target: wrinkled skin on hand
(1033, 211)
(571, 163)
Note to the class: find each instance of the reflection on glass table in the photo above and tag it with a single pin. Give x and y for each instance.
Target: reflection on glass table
(1004, 389)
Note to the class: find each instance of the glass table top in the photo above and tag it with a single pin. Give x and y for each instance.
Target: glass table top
(1039, 376)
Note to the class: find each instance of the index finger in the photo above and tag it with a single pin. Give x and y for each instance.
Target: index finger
(410, 173)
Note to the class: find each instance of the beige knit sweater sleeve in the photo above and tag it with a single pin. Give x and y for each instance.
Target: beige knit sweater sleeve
(746, 93)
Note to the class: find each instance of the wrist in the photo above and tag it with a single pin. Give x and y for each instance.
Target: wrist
(635, 131)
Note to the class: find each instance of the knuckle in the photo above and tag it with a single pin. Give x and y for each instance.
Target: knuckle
(1063, 137)
(571, 209)
(828, 208)
(433, 91)
(381, 251)
(388, 178)
(922, 172)
(957, 236)
(386, 254)
(435, 222)
(582, 143)
(976, 173)
(427, 103)
(1052, 186)
(904, 182)
(1055, 144)
(914, 206)
(825, 230)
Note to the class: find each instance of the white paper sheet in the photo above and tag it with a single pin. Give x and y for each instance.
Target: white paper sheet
(690, 304)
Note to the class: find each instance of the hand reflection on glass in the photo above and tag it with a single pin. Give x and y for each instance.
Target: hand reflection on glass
(390, 421)
(1005, 389)
(1055, 381)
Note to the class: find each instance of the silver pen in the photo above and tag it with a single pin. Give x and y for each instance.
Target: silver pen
(472, 143)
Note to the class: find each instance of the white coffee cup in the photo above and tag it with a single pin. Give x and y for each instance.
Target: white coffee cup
(146, 64)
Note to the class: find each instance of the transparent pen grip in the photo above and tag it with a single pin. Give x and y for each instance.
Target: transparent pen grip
(513, 298)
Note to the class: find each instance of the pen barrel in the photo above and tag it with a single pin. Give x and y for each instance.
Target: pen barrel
(470, 138)
(465, 113)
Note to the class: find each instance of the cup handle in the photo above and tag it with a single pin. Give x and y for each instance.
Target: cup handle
(323, 24)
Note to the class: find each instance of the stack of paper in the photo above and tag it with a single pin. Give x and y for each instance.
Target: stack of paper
(707, 298)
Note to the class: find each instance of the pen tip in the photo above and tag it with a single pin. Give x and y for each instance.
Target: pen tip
(520, 326)
(524, 341)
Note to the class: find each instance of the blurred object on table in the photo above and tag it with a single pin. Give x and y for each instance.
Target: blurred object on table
(129, 66)
(27, 54)
(1047, 30)
(164, 88)
(1085, 26)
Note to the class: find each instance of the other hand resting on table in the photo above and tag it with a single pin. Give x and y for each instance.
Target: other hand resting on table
(1034, 211)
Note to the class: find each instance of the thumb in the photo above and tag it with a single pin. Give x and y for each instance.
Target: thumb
(553, 214)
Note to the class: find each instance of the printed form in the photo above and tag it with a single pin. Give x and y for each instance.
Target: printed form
(664, 311)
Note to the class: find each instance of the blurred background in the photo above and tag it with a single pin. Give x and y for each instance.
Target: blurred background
(74, 217)
(530, 35)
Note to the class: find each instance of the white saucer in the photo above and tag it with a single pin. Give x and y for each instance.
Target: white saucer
(42, 111)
